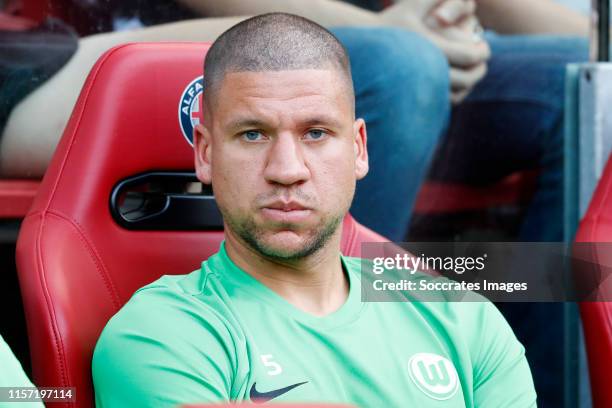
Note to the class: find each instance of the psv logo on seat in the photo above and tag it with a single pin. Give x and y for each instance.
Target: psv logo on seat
(189, 107)
(435, 375)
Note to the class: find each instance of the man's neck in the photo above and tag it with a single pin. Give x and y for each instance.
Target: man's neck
(316, 284)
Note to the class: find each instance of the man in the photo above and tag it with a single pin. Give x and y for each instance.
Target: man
(276, 313)
(507, 117)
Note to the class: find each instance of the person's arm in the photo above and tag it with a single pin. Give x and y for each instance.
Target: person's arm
(325, 12)
(467, 58)
(12, 375)
(531, 17)
(502, 377)
(26, 145)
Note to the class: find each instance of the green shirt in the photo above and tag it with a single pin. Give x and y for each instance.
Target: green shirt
(12, 375)
(218, 334)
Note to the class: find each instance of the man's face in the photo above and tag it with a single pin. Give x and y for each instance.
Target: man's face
(283, 152)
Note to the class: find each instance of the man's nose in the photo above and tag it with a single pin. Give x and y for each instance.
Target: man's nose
(285, 162)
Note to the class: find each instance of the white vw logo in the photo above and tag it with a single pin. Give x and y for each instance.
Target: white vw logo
(434, 375)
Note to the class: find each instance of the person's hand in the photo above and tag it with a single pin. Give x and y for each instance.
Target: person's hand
(467, 54)
(452, 29)
(447, 13)
(455, 20)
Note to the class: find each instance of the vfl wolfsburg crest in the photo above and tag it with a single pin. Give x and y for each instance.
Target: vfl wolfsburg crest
(434, 375)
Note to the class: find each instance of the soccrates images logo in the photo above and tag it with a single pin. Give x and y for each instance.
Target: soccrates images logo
(189, 107)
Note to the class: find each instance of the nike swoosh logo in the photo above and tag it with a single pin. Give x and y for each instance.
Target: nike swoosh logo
(261, 397)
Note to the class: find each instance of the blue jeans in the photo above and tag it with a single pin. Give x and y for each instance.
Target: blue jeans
(401, 88)
(512, 121)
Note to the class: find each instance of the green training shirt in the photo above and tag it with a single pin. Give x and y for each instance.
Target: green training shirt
(13, 376)
(218, 334)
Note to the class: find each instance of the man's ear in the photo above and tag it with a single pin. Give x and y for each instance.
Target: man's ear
(202, 146)
(361, 149)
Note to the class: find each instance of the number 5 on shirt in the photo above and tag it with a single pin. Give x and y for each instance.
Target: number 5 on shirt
(275, 368)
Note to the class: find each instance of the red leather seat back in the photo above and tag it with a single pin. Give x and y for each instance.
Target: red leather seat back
(76, 266)
(597, 316)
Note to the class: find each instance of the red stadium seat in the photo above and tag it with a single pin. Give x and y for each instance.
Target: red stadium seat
(446, 198)
(596, 227)
(77, 266)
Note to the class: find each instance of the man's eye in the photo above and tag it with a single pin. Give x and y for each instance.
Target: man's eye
(252, 135)
(315, 134)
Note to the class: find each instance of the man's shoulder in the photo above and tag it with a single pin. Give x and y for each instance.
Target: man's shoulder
(166, 285)
(169, 306)
(170, 330)
(164, 293)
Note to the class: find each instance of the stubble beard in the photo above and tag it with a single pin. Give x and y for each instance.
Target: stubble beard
(253, 236)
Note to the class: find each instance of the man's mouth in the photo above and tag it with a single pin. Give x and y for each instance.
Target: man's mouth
(286, 211)
(286, 206)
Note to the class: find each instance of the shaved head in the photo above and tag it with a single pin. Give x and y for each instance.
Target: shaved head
(274, 42)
